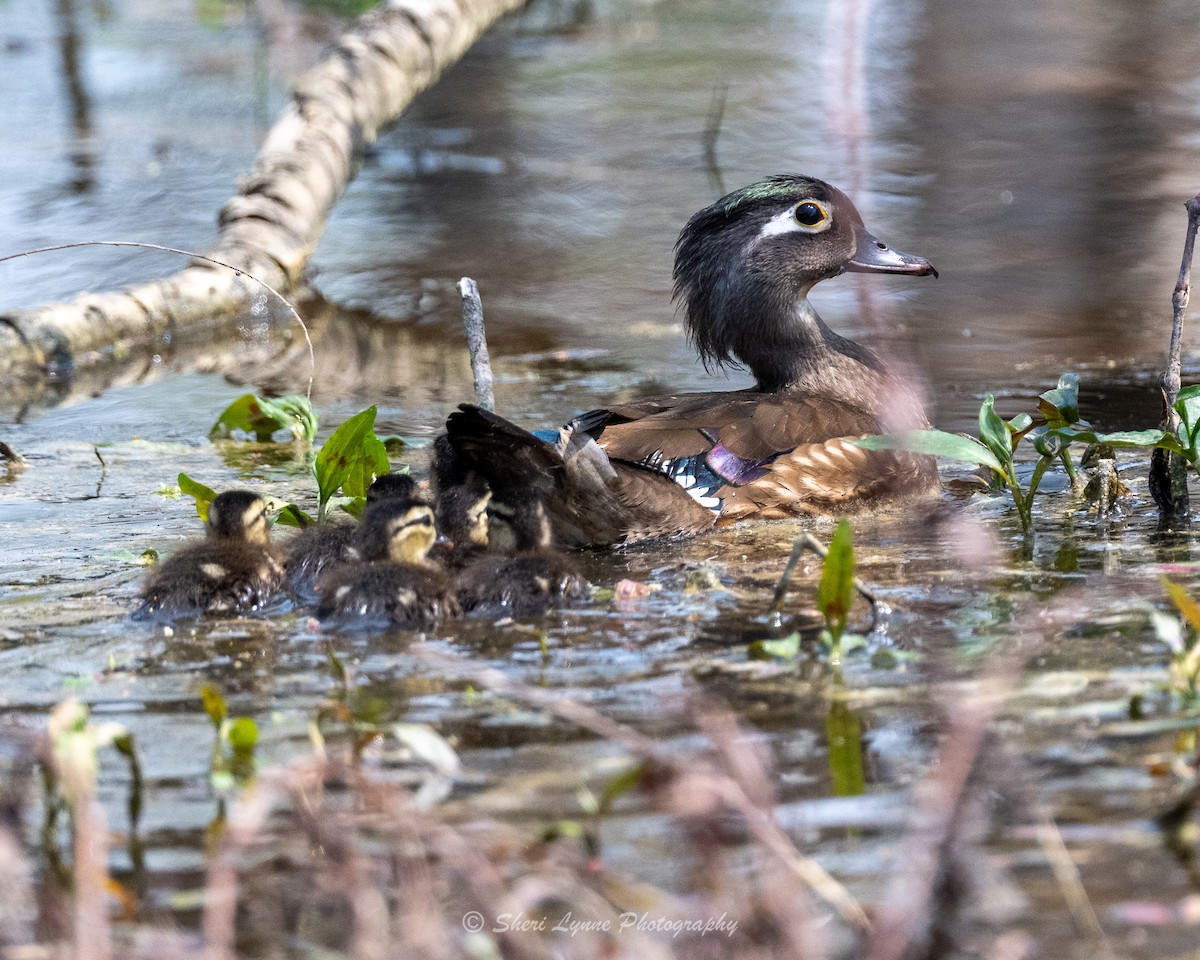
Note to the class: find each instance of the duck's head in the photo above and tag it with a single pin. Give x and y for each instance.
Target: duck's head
(240, 516)
(518, 521)
(462, 514)
(745, 264)
(396, 531)
(391, 486)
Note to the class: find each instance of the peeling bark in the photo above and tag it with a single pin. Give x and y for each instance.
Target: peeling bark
(271, 227)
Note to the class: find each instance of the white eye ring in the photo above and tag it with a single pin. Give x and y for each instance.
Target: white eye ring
(786, 221)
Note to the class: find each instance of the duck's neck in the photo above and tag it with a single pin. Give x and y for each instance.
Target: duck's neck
(790, 347)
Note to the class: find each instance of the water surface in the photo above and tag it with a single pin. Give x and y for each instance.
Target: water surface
(1039, 158)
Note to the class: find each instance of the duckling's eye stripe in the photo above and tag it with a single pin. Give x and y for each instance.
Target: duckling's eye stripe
(786, 221)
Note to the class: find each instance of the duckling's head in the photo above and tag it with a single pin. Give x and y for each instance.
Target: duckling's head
(462, 514)
(391, 486)
(743, 264)
(238, 515)
(397, 531)
(518, 521)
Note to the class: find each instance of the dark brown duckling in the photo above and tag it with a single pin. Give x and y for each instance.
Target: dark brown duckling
(318, 549)
(395, 584)
(462, 522)
(534, 576)
(235, 569)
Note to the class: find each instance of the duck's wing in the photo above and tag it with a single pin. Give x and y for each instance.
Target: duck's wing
(591, 499)
(766, 455)
(737, 435)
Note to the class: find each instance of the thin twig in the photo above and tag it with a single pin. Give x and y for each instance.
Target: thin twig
(312, 356)
(1067, 875)
(481, 365)
(1168, 471)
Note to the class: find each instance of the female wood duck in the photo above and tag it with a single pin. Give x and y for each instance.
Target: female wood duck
(317, 549)
(676, 465)
(394, 584)
(235, 569)
(533, 577)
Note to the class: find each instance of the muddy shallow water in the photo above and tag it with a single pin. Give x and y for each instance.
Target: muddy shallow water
(1041, 163)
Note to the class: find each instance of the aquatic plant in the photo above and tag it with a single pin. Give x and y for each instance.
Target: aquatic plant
(232, 761)
(347, 462)
(1050, 432)
(264, 417)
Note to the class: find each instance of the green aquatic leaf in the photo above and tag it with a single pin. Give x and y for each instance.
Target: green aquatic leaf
(349, 460)
(785, 648)
(1060, 406)
(1187, 405)
(243, 734)
(264, 417)
(993, 431)
(936, 443)
(1143, 439)
(214, 704)
(199, 492)
(835, 592)
(292, 516)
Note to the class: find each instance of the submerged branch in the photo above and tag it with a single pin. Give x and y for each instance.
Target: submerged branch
(271, 227)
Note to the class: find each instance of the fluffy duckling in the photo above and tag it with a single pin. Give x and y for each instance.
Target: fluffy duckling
(235, 569)
(395, 584)
(318, 549)
(534, 576)
(462, 521)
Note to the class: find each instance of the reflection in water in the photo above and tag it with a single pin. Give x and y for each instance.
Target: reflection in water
(83, 148)
(1038, 155)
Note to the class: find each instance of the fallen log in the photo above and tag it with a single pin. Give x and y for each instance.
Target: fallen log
(270, 228)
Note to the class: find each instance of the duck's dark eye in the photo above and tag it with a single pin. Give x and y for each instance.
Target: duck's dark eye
(809, 213)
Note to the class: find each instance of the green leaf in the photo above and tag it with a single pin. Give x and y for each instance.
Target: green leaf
(993, 431)
(785, 648)
(336, 667)
(844, 730)
(835, 593)
(937, 443)
(628, 779)
(214, 704)
(1060, 406)
(1187, 405)
(203, 495)
(1047, 443)
(264, 417)
(243, 734)
(293, 516)
(1143, 439)
(349, 460)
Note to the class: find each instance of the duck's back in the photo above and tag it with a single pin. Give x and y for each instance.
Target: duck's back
(213, 577)
(378, 594)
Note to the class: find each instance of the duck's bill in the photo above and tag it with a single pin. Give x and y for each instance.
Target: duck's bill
(875, 256)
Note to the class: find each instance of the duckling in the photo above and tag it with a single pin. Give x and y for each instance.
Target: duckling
(317, 549)
(534, 576)
(462, 521)
(395, 584)
(235, 569)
